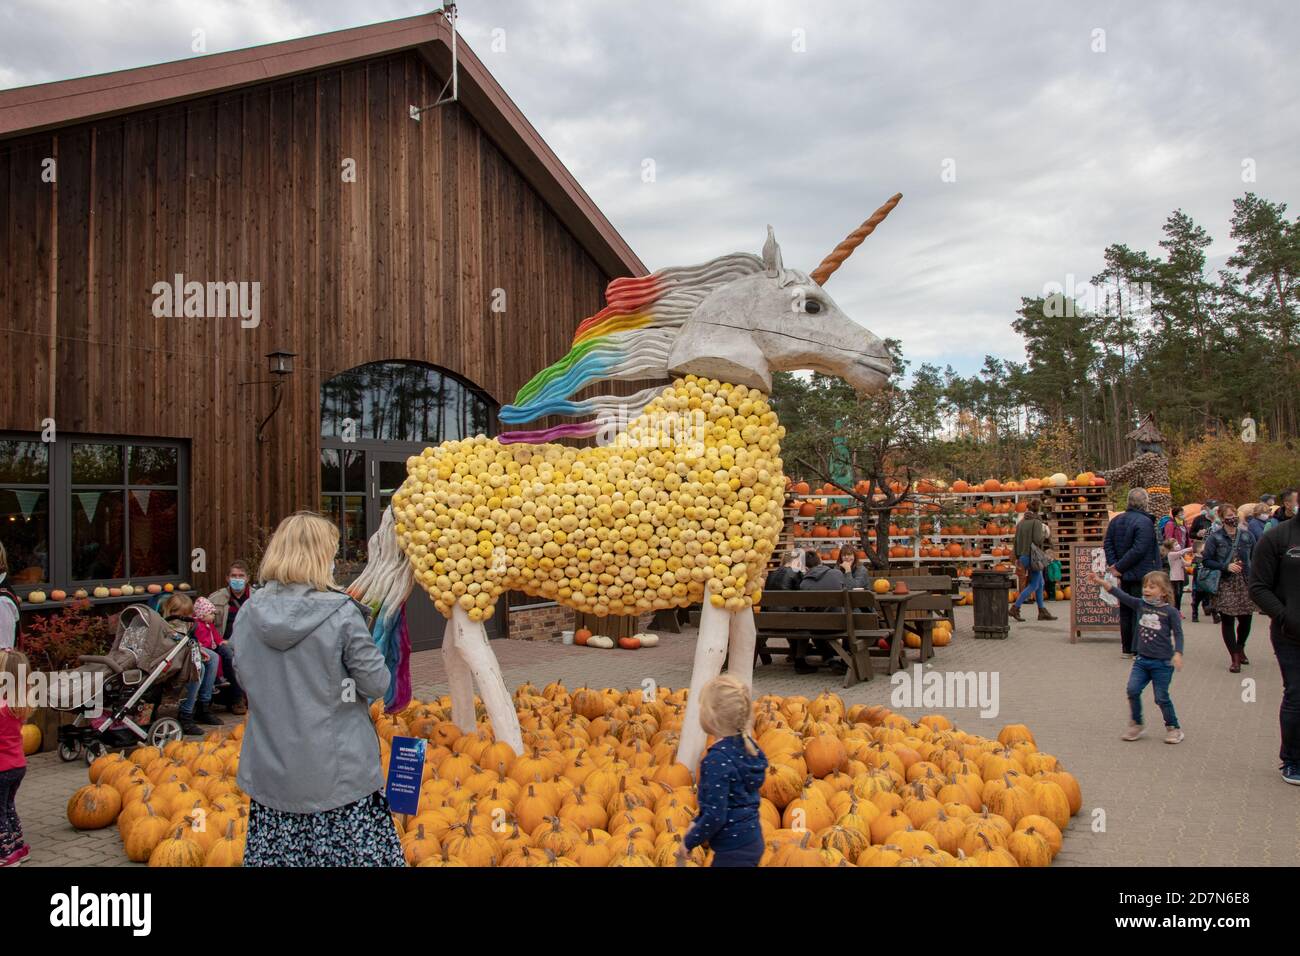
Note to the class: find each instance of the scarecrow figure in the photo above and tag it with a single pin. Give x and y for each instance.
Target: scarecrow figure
(1150, 469)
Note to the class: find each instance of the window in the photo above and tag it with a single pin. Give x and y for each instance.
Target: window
(343, 498)
(373, 418)
(92, 510)
(402, 402)
(25, 510)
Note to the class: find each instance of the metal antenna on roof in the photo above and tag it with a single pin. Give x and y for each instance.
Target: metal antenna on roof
(453, 81)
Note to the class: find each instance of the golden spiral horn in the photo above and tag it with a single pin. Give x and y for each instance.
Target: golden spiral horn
(852, 241)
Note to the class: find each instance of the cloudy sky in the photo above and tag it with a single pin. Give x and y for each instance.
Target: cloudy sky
(1061, 126)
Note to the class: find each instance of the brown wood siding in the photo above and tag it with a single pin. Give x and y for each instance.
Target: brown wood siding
(247, 186)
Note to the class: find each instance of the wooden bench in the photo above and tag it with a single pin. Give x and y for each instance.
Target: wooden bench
(842, 618)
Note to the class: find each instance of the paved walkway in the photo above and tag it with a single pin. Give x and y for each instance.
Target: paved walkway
(1216, 799)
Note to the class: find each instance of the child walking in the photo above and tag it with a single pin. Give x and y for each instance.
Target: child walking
(731, 774)
(1176, 554)
(13, 764)
(1158, 646)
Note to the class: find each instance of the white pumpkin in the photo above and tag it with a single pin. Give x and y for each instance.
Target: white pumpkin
(647, 640)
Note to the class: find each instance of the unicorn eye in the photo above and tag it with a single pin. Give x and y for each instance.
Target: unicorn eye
(812, 306)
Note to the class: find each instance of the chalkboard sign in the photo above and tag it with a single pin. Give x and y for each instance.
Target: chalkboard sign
(1088, 612)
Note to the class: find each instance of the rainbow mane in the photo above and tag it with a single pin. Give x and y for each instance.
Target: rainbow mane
(628, 339)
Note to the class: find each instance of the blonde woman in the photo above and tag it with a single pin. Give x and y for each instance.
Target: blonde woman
(731, 774)
(13, 763)
(310, 759)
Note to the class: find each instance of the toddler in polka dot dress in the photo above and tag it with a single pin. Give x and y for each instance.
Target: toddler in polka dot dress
(731, 774)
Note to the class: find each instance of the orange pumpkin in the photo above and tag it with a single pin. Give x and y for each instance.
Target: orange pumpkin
(580, 636)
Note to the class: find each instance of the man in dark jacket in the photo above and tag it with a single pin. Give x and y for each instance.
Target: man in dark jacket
(1275, 588)
(1131, 553)
(1203, 521)
(1286, 509)
(228, 601)
(819, 577)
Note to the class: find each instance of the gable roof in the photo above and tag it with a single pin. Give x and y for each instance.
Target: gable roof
(48, 106)
(1147, 430)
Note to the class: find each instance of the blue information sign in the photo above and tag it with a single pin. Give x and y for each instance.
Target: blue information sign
(405, 768)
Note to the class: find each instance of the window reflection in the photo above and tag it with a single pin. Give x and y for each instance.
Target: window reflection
(402, 401)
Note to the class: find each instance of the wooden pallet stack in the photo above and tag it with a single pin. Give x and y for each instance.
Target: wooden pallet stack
(1075, 516)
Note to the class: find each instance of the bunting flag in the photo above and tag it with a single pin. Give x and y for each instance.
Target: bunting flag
(142, 499)
(27, 501)
(89, 503)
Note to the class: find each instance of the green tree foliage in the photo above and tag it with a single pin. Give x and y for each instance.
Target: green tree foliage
(1158, 333)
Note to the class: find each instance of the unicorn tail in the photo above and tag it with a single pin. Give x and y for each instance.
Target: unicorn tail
(384, 585)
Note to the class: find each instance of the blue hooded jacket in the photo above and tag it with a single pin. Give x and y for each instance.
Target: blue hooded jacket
(1131, 546)
(730, 778)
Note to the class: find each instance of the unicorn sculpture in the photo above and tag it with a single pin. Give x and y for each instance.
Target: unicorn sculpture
(679, 503)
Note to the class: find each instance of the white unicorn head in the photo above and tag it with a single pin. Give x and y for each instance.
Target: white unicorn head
(737, 319)
(775, 320)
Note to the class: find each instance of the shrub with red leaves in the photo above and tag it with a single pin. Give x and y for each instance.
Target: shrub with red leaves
(53, 642)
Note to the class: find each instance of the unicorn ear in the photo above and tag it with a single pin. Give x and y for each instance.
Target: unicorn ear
(772, 255)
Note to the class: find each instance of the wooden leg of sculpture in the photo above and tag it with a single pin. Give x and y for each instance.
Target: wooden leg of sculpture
(460, 678)
(740, 652)
(472, 640)
(710, 649)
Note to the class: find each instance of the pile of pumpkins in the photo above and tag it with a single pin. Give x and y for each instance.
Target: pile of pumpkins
(934, 486)
(598, 786)
(584, 638)
(845, 786)
(940, 635)
(1085, 479)
(178, 806)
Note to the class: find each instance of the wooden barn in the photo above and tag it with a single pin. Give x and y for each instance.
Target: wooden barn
(244, 284)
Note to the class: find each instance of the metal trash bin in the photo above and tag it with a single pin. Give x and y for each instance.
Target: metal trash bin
(990, 596)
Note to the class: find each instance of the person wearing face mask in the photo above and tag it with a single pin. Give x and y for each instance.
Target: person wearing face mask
(1227, 552)
(9, 617)
(227, 602)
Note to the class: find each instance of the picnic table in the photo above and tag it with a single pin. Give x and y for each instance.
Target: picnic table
(850, 621)
(893, 609)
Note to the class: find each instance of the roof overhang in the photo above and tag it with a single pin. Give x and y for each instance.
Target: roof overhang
(49, 106)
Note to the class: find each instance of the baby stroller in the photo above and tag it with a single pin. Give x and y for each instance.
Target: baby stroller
(146, 657)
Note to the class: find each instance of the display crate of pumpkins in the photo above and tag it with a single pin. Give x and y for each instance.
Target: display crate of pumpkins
(57, 597)
(966, 528)
(598, 786)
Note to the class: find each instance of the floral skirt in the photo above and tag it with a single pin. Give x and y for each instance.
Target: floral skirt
(356, 834)
(1233, 596)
